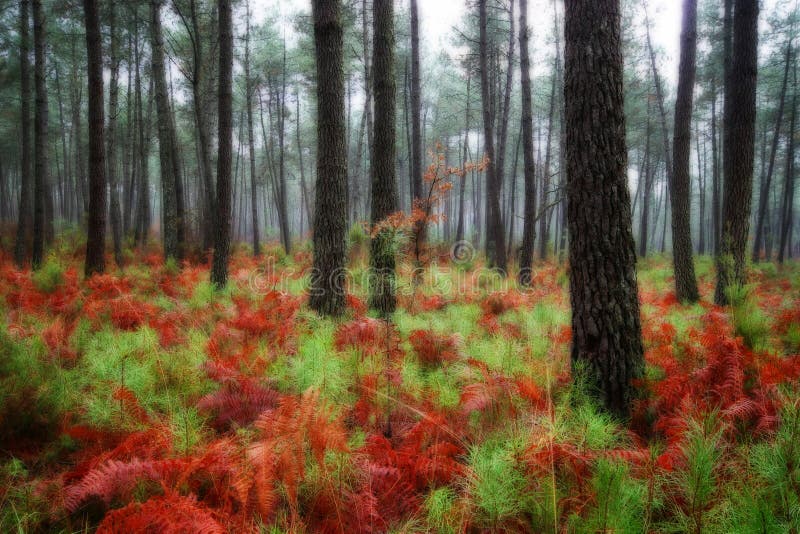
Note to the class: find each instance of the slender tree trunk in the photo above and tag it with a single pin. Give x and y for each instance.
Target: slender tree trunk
(681, 186)
(96, 232)
(529, 169)
(607, 342)
(330, 211)
(111, 135)
(222, 234)
(309, 205)
(647, 189)
(384, 188)
(24, 220)
(250, 138)
(283, 212)
(758, 241)
(544, 231)
(716, 204)
(463, 177)
(40, 165)
(199, 80)
(740, 114)
(495, 226)
(702, 178)
(168, 154)
(787, 211)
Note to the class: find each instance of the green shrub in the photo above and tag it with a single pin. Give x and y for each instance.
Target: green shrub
(619, 501)
(49, 276)
(749, 321)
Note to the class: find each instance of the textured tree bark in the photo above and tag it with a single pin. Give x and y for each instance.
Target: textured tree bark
(607, 343)
(740, 115)
(787, 207)
(40, 164)
(416, 106)
(168, 156)
(384, 187)
(680, 198)
(529, 168)
(111, 133)
(330, 211)
(24, 220)
(222, 234)
(96, 232)
(765, 187)
(495, 222)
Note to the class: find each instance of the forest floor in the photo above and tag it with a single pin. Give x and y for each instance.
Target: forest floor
(145, 401)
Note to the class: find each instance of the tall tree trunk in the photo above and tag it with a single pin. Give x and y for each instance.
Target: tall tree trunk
(544, 231)
(384, 188)
(330, 211)
(283, 211)
(416, 133)
(96, 231)
(607, 342)
(740, 115)
(716, 204)
(702, 178)
(787, 211)
(40, 165)
(495, 226)
(250, 138)
(199, 80)
(168, 153)
(24, 220)
(765, 186)
(462, 186)
(222, 234)
(529, 169)
(681, 187)
(111, 134)
(309, 205)
(647, 188)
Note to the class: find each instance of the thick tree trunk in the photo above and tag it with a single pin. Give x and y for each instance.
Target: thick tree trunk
(111, 134)
(24, 220)
(40, 166)
(758, 241)
(740, 115)
(384, 188)
(681, 187)
(168, 153)
(96, 231)
(607, 343)
(495, 223)
(529, 169)
(330, 211)
(222, 234)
